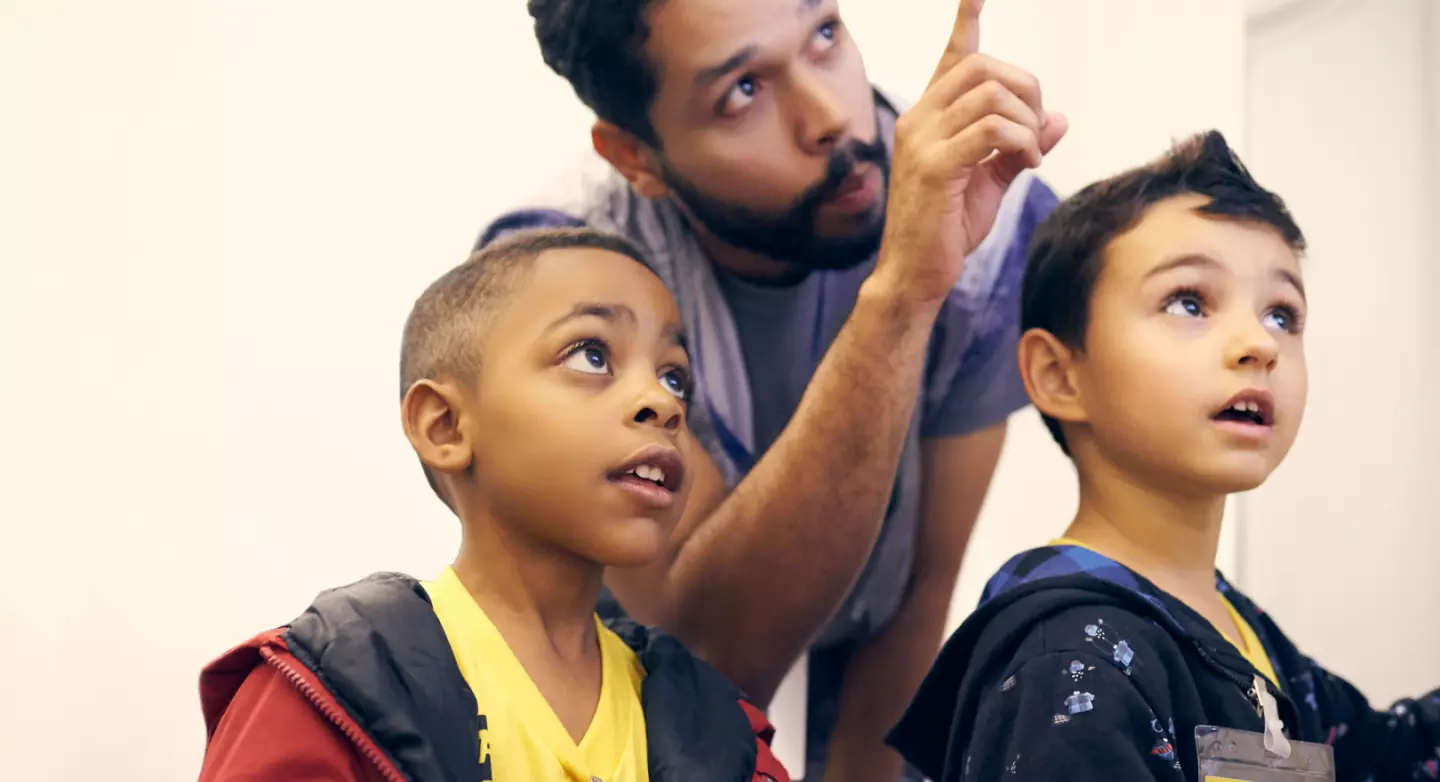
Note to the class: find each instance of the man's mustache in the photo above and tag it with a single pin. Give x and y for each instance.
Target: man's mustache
(841, 165)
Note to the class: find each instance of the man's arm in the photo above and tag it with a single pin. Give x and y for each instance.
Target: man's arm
(751, 581)
(883, 674)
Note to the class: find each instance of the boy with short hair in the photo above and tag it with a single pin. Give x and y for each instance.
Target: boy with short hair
(1163, 312)
(544, 388)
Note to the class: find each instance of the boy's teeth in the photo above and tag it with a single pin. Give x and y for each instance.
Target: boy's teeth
(649, 472)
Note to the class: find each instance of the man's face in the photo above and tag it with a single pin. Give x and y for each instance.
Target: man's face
(1193, 374)
(583, 376)
(767, 127)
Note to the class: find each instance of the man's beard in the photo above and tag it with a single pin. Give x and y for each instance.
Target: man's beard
(791, 236)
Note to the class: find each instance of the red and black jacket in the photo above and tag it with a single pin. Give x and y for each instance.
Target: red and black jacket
(363, 686)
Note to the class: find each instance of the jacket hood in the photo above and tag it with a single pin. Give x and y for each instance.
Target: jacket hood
(1031, 588)
(377, 647)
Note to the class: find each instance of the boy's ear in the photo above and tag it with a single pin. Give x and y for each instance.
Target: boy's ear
(430, 414)
(633, 158)
(1047, 366)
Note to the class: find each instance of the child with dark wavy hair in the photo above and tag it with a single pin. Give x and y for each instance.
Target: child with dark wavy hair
(1164, 317)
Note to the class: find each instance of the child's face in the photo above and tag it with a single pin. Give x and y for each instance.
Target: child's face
(583, 377)
(1190, 314)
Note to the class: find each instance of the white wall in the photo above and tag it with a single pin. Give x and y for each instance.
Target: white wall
(213, 218)
(1344, 109)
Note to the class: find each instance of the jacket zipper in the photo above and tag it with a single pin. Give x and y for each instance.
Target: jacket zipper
(346, 725)
(1247, 687)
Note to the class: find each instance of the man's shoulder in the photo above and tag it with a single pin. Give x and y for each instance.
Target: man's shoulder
(589, 192)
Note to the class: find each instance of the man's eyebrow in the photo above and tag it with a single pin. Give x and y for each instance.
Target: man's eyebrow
(610, 312)
(709, 75)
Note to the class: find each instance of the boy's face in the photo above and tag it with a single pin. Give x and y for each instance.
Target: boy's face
(583, 380)
(1193, 373)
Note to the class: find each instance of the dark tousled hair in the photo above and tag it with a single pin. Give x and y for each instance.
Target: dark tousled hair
(596, 45)
(446, 324)
(1067, 252)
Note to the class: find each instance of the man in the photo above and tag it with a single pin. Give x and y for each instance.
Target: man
(854, 358)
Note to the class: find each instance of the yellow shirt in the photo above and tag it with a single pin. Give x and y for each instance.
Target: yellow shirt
(1248, 646)
(521, 739)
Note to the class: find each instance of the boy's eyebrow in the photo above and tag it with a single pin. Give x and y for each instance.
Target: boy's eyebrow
(615, 313)
(585, 309)
(1204, 261)
(1200, 260)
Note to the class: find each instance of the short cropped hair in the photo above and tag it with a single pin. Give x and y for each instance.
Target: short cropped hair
(1067, 253)
(446, 324)
(597, 46)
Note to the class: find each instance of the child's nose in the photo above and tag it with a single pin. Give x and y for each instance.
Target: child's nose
(1253, 345)
(659, 407)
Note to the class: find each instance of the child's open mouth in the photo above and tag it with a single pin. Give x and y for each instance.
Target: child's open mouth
(652, 475)
(1250, 412)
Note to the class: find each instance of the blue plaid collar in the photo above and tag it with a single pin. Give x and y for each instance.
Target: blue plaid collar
(1059, 561)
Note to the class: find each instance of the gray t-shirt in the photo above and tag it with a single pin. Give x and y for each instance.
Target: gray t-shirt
(755, 348)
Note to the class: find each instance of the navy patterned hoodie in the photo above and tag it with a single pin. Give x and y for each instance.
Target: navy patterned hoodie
(1075, 667)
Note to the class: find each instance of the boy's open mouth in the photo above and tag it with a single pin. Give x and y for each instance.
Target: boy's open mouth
(652, 467)
(1252, 406)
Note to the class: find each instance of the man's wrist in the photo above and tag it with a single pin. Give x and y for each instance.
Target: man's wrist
(897, 302)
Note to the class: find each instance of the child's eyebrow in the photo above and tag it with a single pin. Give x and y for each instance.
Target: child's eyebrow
(1203, 261)
(615, 313)
(1198, 260)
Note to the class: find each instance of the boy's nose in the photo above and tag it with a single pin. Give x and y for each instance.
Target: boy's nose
(1253, 345)
(658, 407)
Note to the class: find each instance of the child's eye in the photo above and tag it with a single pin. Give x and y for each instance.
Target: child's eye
(588, 356)
(826, 34)
(1185, 304)
(677, 382)
(1283, 318)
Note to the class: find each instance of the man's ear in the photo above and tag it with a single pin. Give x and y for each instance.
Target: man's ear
(633, 158)
(430, 414)
(1047, 366)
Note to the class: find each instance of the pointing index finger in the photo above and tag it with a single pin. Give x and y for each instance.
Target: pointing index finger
(964, 37)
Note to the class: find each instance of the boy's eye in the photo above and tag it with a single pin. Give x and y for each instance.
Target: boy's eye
(589, 358)
(825, 35)
(1185, 305)
(1283, 319)
(677, 382)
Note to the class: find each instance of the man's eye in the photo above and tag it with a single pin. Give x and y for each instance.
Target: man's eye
(740, 95)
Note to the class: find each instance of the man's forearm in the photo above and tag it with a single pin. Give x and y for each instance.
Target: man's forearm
(770, 565)
(879, 682)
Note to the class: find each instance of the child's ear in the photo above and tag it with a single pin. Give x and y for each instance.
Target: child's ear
(1047, 366)
(430, 415)
(633, 158)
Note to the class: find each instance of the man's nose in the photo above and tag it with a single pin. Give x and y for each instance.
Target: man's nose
(821, 118)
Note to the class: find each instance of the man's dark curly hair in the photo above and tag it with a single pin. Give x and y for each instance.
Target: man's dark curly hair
(596, 45)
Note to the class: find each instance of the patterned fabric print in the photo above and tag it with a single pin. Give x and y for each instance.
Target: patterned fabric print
(1057, 561)
(1164, 748)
